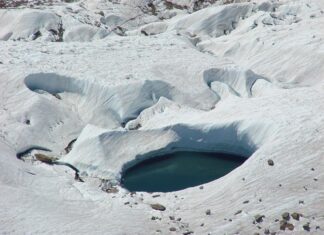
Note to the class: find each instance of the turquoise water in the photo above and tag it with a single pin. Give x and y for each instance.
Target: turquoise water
(178, 171)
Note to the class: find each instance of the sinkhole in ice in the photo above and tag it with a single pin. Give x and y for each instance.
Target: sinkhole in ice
(178, 170)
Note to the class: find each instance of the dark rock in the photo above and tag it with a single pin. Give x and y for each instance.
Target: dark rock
(156, 195)
(112, 190)
(285, 216)
(301, 202)
(202, 225)
(44, 158)
(153, 218)
(256, 233)
(306, 227)
(283, 224)
(188, 232)
(290, 226)
(270, 162)
(238, 212)
(171, 217)
(258, 218)
(295, 216)
(245, 202)
(208, 212)
(173, 229)
(201, 187)
(312, 169)
(179, 219)
(158, 207)
(266, 231)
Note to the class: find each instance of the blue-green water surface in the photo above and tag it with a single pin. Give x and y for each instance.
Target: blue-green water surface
(178, 171)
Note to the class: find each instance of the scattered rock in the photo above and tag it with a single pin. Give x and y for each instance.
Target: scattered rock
(270, 162)
(158, 207)
(283, 224)
(171, 217)
(57, 96)
(290, 226)
(245, 202)
(208, 212)
(258, 218)
(69, 147)
(295, 216)
(44, 158)
(112, 190)
(238, 212)
(173, 229)
(306, 227)
(285, 216)
(156, 195)
(126, 203)
(188, 233)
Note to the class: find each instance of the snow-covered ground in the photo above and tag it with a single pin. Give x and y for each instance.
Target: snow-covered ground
(130, 82)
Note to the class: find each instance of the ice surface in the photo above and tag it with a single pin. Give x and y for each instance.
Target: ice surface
(243, 78)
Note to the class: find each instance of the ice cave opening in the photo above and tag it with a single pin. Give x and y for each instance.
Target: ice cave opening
(178, 170)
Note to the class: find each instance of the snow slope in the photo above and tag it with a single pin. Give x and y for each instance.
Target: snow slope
(100, 89)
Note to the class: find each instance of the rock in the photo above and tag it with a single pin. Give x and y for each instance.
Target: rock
(245, 202)
(295, 216)
(173, 229)
(285, 216)
(208, 212)
(158, 207)
(44, 158)
(154, 218)
(188, 233)
(112, 190)
(201, 187)
(283, 224)
(238, 212)
(256, 233)
(306, 227)
(171, 217)
(270, 162)
(258, 218)
(290, 226)
(266, 231)
(301, 202)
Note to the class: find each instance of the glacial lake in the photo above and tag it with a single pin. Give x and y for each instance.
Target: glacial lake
(179, 170)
